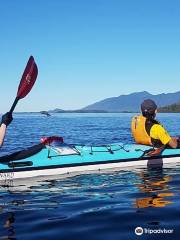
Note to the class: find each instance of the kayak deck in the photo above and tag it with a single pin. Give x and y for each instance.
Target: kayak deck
(81, 154)
(65, 158)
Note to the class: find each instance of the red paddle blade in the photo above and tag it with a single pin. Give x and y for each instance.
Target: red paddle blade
(28, 78)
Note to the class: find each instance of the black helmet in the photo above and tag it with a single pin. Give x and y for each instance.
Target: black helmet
(148, 106)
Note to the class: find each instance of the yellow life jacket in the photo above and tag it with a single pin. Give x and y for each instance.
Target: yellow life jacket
(139, 131)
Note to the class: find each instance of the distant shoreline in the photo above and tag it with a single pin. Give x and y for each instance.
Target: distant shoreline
(70, 112)
(83, 112)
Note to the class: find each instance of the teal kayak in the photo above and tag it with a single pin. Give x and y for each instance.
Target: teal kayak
(54, 157)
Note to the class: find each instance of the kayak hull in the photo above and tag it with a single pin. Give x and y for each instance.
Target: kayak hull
(40, 161)
(86, 168)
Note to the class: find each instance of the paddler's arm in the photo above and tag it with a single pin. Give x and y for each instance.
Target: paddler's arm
(2, 133)
(173, 143)
(166, 139)
(160, 133)
(6, 120)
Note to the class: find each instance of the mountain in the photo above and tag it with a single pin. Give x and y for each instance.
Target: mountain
(75, 111)
(131, 102)
(56, 110)
(173, 108)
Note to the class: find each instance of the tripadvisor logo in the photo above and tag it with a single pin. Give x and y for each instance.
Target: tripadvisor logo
(139, 231)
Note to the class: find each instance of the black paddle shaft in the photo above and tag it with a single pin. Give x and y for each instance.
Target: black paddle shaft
(14, 105)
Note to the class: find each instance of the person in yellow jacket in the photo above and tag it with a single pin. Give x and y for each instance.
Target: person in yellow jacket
(6, 120)
(148, 131)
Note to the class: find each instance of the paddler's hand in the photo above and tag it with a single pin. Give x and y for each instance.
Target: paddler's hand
(7, 119)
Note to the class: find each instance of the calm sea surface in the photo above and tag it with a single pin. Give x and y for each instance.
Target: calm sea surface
(96, 206)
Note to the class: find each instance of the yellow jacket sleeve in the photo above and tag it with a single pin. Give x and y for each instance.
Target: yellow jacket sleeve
(159, 132)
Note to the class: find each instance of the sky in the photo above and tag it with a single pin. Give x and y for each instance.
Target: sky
(88, 50)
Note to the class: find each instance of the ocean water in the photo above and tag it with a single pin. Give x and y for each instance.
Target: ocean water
(98, 206)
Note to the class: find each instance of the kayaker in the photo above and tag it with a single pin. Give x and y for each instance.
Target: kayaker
(148, 131)
(5, 121)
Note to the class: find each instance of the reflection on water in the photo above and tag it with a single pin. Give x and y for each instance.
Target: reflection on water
(9, 226)
(156, 200)
(89, 204)
(155, 184)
